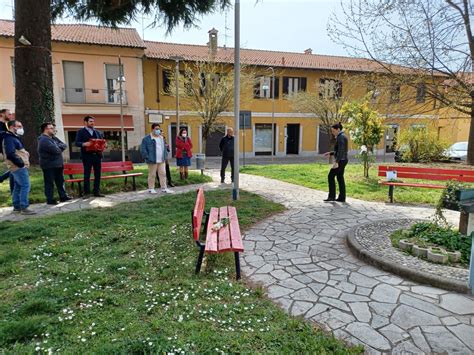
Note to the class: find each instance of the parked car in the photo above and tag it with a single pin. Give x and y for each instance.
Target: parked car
(458, 151)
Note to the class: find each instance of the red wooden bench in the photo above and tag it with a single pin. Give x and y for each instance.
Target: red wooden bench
(72, 169)
(226, 239)
(433, 174)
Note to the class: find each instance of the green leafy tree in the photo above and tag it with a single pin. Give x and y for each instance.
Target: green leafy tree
(33, 65)
(365, 127)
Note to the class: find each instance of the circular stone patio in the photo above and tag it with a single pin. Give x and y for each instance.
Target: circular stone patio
(371, 242)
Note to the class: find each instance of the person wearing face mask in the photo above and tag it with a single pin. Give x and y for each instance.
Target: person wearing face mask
(153, 151)
(50, 152)
(18, 162)
(5, 116)
(184, 153)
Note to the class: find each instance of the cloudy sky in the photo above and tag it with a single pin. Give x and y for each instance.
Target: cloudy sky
(285, 25)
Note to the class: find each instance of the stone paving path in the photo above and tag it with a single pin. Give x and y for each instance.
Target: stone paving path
(302, 259)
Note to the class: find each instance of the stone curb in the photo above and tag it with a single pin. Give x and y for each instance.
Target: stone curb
(401, 270)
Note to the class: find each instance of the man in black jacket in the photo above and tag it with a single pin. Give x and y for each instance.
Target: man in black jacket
(90, 159)
(50, 152)
(227, 149)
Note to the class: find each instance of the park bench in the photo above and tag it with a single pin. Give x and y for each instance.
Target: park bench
(226, 239)
(432, 174)
(73, 169)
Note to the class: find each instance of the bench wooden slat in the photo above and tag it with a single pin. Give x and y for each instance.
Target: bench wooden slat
(438, 171)
(429, 186)
(224, 232)
(236, 236)
(198, 213)
(211, 235)
(421, 176)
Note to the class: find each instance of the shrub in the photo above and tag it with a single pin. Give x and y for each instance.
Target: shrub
(419, 145)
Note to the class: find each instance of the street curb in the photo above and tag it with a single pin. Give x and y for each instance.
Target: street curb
(401, 270)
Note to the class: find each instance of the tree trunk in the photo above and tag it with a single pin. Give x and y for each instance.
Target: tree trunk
(470, 146)
(33, 69)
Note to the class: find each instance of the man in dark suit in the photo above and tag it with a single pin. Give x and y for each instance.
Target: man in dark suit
(90, 159)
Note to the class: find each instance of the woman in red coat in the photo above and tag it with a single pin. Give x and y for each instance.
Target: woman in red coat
(184, 152)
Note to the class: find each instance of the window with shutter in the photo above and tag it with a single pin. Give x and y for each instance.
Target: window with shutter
(166, 81)
(330, 88)
(292, 85)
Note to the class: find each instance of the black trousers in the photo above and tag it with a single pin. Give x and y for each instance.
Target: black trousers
(224, 163)
(92, 161)
(339, 174)
(54, 176)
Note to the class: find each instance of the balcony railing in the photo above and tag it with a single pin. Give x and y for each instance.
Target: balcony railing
(93, 96)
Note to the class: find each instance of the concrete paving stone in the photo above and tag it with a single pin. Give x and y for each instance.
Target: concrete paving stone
(368, 336)
(393, 333)
(361, 311)
(363, 291)
(264, 245)
(338, 277)
(345, 287)
(265, 269)
(293, 270)
(271, 259)
(332, 282)
(335, 303)
(407, 317)
(390, 279)
(300, 308)
(319, 276)
(305, 294)
(441, 340)
(427, 290)
(303, 279)
(264, 279)
(383, 309)
(450, 320)
(276, 291)
(330, 292)
(465, 333)
(291, 284)
(293, 255)
(317, 309)
(284, 262)
(419, 339)
(308, 267)
(378, 321)
(406, 347)
(350, 297)
(333, 319)
(317, 287)
(457, 304)
(423, 305)
(301, 261)
(280, 274)
(285, 303)
(363, 281)
(385, 293)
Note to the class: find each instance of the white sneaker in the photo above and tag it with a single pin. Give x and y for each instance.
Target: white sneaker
(152, 191)
(167, 191)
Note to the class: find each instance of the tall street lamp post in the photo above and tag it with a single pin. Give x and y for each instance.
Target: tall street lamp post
(121, 80)
(176, 75)
(235, 191)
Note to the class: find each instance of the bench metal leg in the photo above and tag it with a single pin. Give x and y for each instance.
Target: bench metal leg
(80, 188)
(200, 257)
(134, 184)
(390, 193)
(237, 266)
(125, 180)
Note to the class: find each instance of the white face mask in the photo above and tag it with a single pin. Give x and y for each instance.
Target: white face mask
(20, 132)
(184, 135)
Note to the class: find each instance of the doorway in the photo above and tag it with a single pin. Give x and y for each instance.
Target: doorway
(324, 141)
(292, 138)
(391, 135)
(212, 144)
(263, 139)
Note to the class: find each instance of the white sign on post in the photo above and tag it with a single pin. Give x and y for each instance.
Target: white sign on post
(391, 175)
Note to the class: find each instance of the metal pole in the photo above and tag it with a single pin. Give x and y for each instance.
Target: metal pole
(384, 144)
(235, 191)
(122, 131)
(273, 112)
(177, 96)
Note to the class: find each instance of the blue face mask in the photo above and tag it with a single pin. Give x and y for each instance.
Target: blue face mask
(157, 132)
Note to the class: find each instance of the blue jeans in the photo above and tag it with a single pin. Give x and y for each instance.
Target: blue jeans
(21, 189)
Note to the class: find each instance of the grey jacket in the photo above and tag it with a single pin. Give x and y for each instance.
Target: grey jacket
(50, 152)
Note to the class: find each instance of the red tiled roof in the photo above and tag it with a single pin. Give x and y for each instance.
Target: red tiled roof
(162, 50)
(85, 34)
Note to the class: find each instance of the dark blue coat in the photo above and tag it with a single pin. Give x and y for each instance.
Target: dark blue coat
(50, 151)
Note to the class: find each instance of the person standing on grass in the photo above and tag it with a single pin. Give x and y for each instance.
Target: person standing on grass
(169, 182)
(18, 162)
(153, 151)
(226, 147)
(337, 170)
(5, 116)
(50, 152)
(184, 152)
(90, 159)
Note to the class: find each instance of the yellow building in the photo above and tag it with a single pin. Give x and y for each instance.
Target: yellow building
(296, 133)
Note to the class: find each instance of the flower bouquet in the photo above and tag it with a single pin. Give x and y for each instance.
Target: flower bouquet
(220, 224)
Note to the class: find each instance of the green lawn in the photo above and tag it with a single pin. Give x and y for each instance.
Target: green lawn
(121, 280)
(315, 177)
(107, 186)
